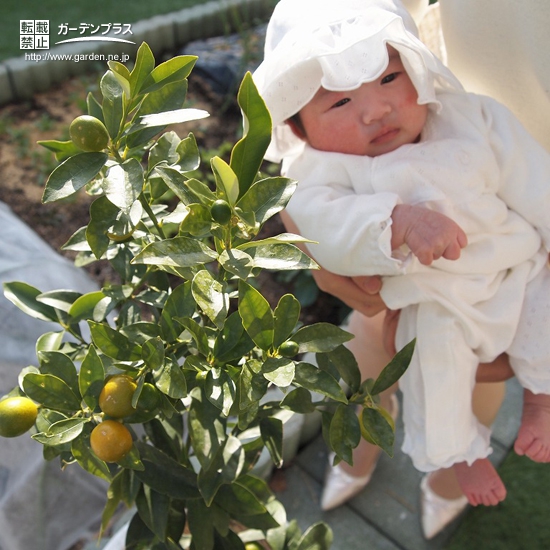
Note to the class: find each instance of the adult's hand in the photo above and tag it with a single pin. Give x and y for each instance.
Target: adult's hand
(359, 293)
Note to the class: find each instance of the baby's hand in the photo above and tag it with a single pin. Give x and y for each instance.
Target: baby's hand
(429, 234)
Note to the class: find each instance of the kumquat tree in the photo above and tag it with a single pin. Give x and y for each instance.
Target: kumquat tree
(159, 382)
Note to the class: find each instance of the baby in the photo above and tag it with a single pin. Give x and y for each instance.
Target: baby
(403, 174)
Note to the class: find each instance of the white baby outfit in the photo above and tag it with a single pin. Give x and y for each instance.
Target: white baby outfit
(476, 164)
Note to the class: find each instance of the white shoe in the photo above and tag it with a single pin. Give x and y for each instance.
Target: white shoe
(437, 512)
(339, 485)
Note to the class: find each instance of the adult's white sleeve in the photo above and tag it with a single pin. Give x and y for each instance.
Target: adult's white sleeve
(524, 166)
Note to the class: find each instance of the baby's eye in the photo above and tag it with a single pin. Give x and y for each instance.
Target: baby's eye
(341, 102)
(389, 78)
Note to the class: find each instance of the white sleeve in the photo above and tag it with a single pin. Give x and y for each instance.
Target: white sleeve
(524, 167)
(353, 231)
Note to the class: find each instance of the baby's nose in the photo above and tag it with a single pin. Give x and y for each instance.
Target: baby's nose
(374, 111)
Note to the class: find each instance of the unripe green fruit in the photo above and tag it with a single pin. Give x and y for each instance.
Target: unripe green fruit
(89, 133)
(289, 348)
(221, 212)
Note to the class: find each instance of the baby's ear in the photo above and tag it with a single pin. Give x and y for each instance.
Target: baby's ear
(295, 125)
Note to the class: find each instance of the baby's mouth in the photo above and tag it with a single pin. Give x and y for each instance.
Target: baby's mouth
(387, 134)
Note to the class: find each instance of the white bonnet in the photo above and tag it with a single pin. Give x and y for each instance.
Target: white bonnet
(337, 44)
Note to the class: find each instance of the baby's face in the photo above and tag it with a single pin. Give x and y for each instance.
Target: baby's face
(376, 118)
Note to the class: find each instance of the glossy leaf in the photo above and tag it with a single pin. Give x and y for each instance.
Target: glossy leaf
(313, 379)
(299, 400)
(50, 391)
(114, 344)
(317, 537)
(345, 432)
(61, 432)
(72, 175)
(170, 380)
(24, 296)
(60, 365)
(83, 307)
(144, 64)
(113, 103)
(211, 297)
(394, 369)
(91, 377)
(272, 435)
(226, 180)
(123, 184)
(102, 215)
(247, 155)
(257, 316)
(267, 197)
(173, 70)
(279, 371)
(320, 337)
(166, 475)
(378, 429)
(286, 316)
(176, 252)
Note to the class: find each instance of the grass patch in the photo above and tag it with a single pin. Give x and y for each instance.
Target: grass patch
(73, 13)
(521, 521)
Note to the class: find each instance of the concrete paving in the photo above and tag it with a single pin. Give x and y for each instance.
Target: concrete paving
(385, 516)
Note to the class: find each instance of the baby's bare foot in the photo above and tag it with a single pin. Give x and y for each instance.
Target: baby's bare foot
(534, 434)
(480, 482)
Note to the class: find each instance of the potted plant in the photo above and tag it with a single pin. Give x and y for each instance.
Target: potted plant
(158, 382)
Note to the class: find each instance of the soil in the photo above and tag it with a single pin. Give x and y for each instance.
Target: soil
(25, 166)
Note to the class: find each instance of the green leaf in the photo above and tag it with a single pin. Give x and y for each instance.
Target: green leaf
(50, 391)
(166, 475)
(62, 149)
(225, 467)
(91, 377)
(176, 182)
(170, 380)
(164, 150)
(256, 315)
(49, 341)
(247, 155)
(279, 370)
(378, 429)
(237, 262)
(299, 400)
(188, 151)
(123, 183)
(313, 379)
(144, 64)
(278, 256)
(211, 296)
(122, 74)
(24, 296)
(83, 307)
(114, 344)
(220, 390)
(320, 337)
(347, 367)
(286, 317)
(72, 174)
(153, 353)
(267, 197)
(171, 96)
(62, 432)
(345, 433)
(394, 369)
(272, 435)
(198, 333)
(201, 524)
(316, 537)
(113, 103)
(176, 252)
(206, 428)
(103, 214)
(153, 508)
(226, 180)
(60, 365)
(80, 449)
(175, 69)
(232, 342)
(180, 303)
(59, 299)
